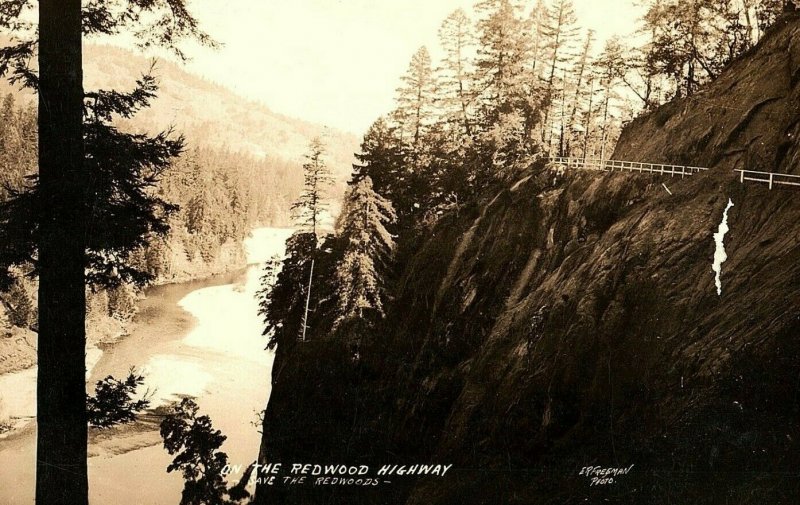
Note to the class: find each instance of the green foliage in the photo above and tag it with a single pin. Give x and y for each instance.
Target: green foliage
(195, 444)
(114, 401)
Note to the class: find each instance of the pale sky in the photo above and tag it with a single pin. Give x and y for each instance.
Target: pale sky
(338, 62)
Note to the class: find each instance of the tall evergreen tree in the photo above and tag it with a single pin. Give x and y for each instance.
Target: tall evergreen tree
(19, 306)
(560, 31)
(455, 87)
(282, 304)
(510, 104)
(310, 207)
(368, 245)
(610, 68)
(383, 159)
(581, 72)
(85, 181)
(537, 22)
(503, 53)
(415, 100)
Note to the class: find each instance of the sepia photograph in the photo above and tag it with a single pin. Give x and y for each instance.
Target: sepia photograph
(399, 252)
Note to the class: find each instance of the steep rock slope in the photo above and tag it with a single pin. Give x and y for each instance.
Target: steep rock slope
(572, 319)
(749, 118)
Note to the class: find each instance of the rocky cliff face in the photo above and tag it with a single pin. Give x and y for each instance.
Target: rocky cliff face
(749, 118)
(572, 320)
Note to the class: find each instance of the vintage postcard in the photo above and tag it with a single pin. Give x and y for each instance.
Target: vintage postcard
(399, 252)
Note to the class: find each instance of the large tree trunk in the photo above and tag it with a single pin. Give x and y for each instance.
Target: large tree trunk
(61, 476)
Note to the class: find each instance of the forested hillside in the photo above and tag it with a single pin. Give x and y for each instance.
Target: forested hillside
(241, 168)
(220, 196)
(481, 306)
(210, 115)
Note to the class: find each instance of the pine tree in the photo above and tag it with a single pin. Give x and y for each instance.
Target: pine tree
(537, 22)
(19, 306)
(383, 159)
(368, 246)
(282, 304)
(17, 145)
(610, 68)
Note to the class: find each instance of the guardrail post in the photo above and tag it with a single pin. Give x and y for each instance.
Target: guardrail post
(771, 178)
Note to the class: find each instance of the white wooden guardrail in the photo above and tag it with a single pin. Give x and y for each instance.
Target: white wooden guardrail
(770, 178)
(630, 166)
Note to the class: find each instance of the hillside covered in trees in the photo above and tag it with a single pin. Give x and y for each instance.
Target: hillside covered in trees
(220, 195)
(209, 114)
(241, 168)
(480, 306)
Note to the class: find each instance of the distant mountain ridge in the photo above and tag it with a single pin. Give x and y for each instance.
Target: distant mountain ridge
(209, 114)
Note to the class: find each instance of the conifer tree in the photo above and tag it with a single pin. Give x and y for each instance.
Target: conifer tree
(537, 22)
(383, 159)
(510, 104)
(415, 100)
(503, 54)
(610, 68)
(308, 210)
(19, 306)
(368, 245)
(560, 32)
(90, 177)
(455, 87)
(282, 304)
(581, 71)
(310, 207)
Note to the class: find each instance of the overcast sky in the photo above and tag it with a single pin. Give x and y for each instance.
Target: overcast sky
(338, 62)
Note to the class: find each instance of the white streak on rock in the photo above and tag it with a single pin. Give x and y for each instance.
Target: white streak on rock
(720, 256)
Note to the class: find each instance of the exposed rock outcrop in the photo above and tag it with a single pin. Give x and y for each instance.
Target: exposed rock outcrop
(573, 320)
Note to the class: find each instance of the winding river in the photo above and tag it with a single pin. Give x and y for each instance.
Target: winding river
(201, 339)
